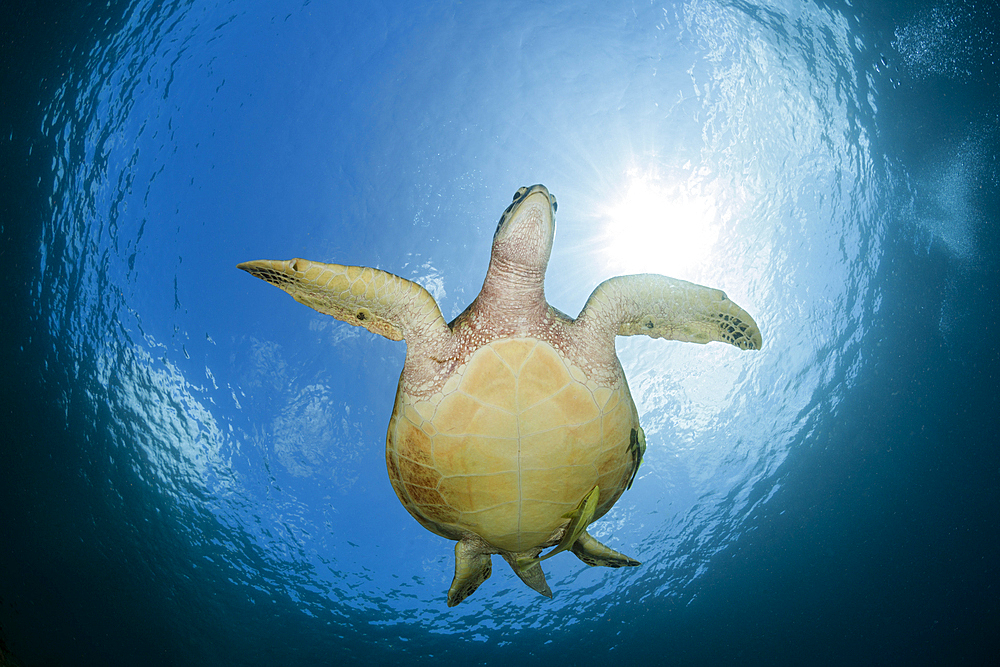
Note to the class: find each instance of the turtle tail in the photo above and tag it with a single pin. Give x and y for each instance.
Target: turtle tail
(529, 570)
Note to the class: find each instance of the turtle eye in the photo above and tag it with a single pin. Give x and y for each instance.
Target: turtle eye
(521, 191)
(555, 205)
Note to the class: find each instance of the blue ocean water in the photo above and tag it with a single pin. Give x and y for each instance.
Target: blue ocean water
(193, 472)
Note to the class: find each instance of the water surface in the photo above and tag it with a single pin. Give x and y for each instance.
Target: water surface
(195, 470)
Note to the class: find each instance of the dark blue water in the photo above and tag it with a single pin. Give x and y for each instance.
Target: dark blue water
(192, 468)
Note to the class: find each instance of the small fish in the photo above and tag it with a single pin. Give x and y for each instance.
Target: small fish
(579, 518)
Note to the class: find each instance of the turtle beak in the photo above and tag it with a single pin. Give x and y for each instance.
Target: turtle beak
(527, 227)
(535, 203)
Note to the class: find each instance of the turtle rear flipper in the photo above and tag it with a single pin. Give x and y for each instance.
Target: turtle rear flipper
(472, 567)
(592, 552)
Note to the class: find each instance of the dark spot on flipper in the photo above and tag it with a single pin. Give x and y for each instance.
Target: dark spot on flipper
(361, 316)
(734, 331)
(276, 278)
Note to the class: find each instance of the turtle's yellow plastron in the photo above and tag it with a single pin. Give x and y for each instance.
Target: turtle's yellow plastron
(513, 427)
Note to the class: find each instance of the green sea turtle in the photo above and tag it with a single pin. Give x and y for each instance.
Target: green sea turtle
(513, 427)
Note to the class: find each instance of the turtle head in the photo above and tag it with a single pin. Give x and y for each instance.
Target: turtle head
(523, 239)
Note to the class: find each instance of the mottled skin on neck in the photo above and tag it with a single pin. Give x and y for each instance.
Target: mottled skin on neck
(511, 303)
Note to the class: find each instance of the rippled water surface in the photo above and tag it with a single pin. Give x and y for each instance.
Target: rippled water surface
(197, 472)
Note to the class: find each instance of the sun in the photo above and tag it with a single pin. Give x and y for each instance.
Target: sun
(659, 227)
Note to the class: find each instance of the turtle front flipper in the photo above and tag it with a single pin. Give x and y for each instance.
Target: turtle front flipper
(662, 307)
(472, 567)
(378, 301)
(592, 552)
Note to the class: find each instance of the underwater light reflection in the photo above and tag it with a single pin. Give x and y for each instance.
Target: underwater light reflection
(658, 226)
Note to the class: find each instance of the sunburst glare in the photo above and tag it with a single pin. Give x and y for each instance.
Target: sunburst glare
(660, 227)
